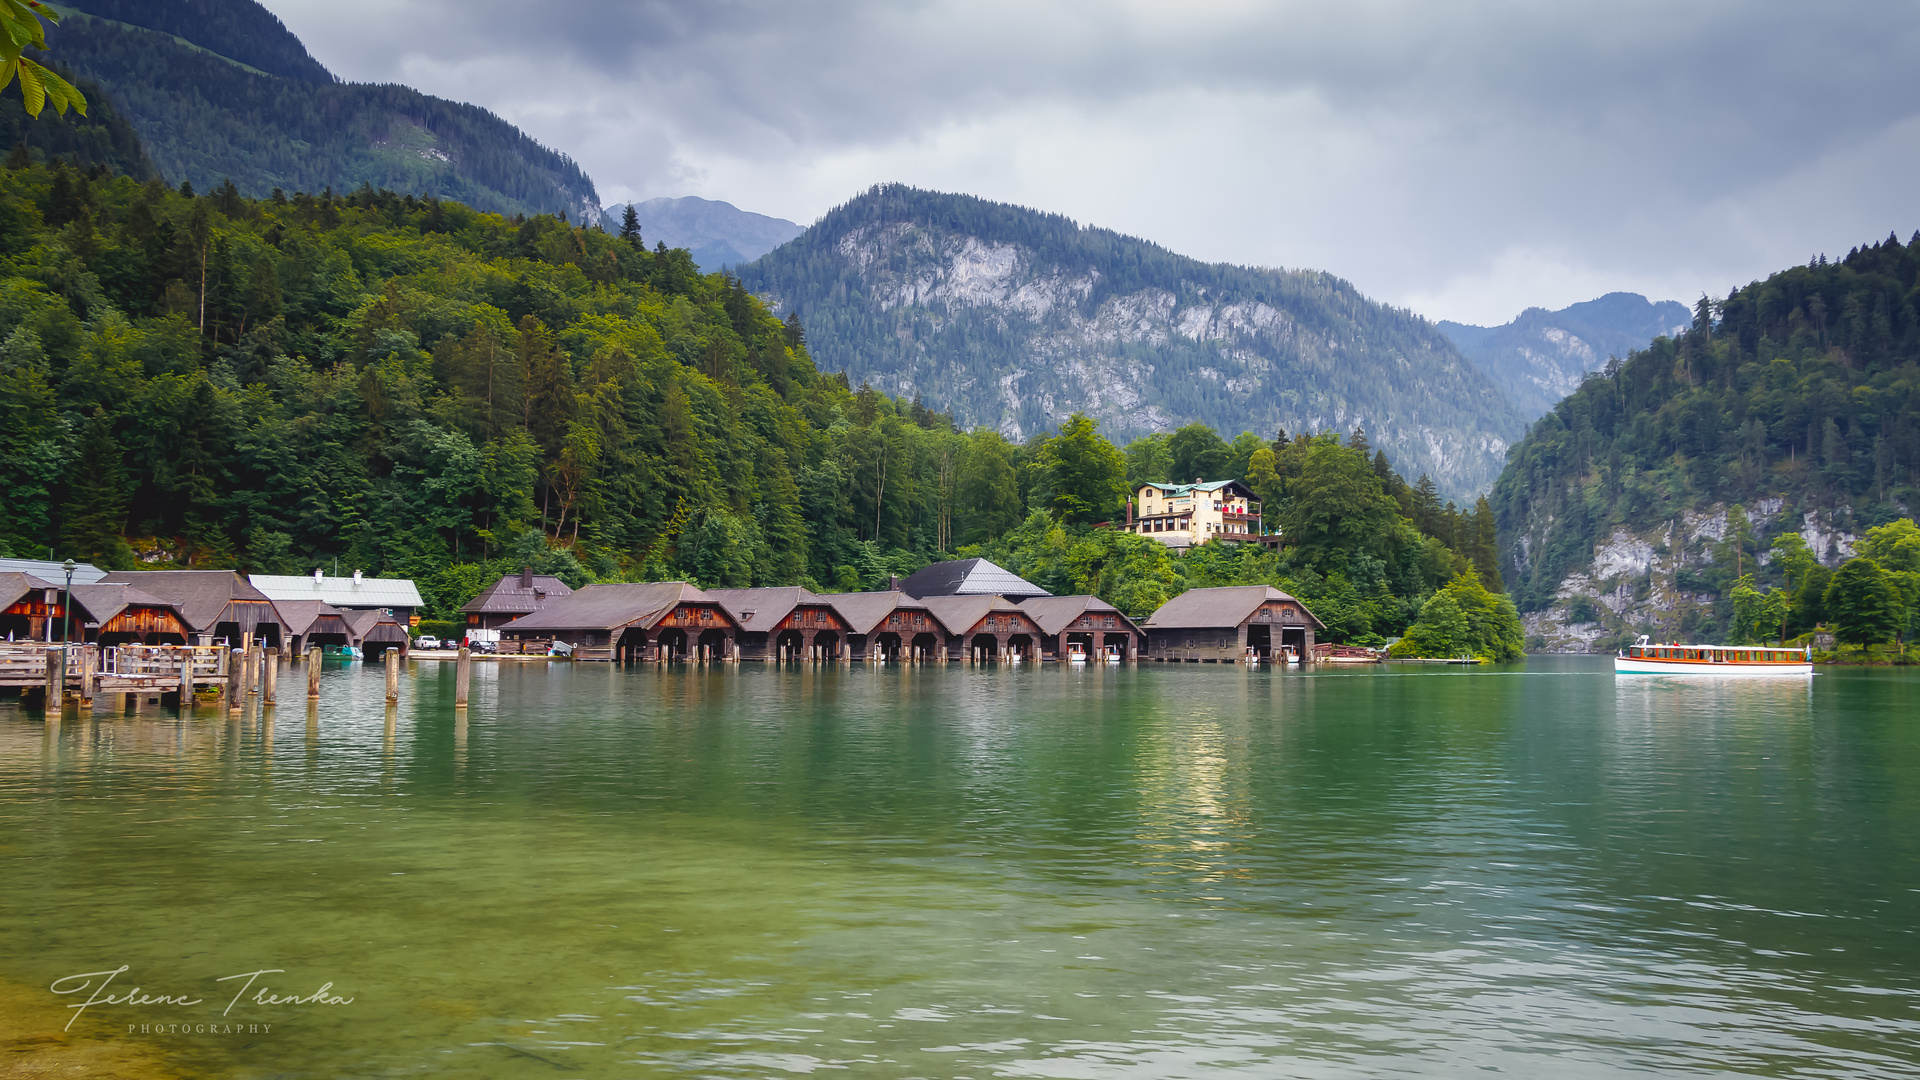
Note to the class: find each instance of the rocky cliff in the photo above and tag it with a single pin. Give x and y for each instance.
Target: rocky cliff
(1651, 582)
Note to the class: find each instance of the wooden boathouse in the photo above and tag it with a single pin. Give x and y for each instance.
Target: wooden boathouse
(984, 628)
(789, 623)
(1221, 625)
(887, 625)
(1087, 621)
(512, 597)
(646, 621)
(216, 605)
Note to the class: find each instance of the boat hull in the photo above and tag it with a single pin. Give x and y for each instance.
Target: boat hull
(1623, 665)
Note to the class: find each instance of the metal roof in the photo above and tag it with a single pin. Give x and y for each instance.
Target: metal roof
(508, 596)
(969, 577)
(1054, 613)
(341, 592)
(45, 570)
(609, 607)
(1229, 606)
(1211, 485)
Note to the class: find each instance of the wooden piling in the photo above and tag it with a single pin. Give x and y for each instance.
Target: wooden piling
(186, 681)
(313, 673)
(56, 678)
(393, 673)
(236, 673)
(270, 683)
(462, 674)
(89, 676)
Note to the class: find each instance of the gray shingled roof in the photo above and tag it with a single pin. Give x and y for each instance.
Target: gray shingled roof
(1229, 606)
(507, 597)
(760, 610)
(865, 610)
(1054, 613)
(202, 597)
(305, 617)
(609, 607)
(15, 586)
(960, 614)
(968, 577)
(103, 600)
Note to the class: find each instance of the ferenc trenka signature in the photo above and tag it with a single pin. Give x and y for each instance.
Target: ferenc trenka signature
(100, 993)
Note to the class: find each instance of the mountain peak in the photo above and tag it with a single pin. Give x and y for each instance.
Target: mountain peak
(1542, 356)
(1013, 318)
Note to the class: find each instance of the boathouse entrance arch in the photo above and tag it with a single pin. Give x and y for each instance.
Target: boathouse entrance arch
(886, 646)
(926, 646)
(718, 643)
(673, 644)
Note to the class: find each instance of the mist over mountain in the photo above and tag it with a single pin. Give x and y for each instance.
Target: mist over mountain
(1013, 319)
(1542, 356)
(716, 233)
(220, 89)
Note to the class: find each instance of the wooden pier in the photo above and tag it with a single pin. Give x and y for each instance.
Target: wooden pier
(84, 671)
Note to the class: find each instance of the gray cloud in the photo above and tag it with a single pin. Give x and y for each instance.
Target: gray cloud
(1465, 159)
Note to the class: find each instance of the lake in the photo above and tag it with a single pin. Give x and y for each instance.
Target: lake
(1162, 871)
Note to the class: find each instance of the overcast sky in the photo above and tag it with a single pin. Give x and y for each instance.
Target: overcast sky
(1465, 159)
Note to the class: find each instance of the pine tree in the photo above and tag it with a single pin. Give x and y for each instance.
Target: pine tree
(96, 503)
(630, 229)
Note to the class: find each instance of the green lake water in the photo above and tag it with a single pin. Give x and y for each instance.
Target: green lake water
(1168, 871)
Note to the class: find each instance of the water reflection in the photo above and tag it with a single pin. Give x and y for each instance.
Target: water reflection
(1028, 871)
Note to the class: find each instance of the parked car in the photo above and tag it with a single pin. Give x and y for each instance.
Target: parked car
(426, 641)
(477, 647)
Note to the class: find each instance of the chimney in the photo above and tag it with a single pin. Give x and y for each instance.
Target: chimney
(893, 582)
(1198, 480)
(318, 575)
(526, 577)
(356, 577)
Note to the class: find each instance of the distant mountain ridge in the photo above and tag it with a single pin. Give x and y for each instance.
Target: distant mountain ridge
(220, 89)
(717, 234)
(1542, 356)
(1012, 318)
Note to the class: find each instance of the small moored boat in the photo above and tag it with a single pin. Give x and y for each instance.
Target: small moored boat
(1645, 658)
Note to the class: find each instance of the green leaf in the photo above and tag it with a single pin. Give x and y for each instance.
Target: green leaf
(31, 86)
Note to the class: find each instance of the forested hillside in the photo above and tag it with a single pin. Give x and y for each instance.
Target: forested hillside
(1012, 319)
(411, 387)
(1790, 408)
(219, 89)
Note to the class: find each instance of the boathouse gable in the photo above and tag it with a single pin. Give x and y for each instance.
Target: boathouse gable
(512, 597)
(784, 623)
(214, 604)
(627, 621)
(1223, 624)
(1085, 620)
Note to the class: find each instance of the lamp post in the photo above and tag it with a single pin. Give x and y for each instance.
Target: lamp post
(66, 604)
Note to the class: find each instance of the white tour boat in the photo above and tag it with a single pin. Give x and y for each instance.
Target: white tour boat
(1643, 658)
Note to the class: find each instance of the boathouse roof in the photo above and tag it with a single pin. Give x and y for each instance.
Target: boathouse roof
(517, 594)
(204, 598)
(342, 592)
(960, 614)
(969, 577)
(865, 610)
(1055, 613)
(52, 572)
(306, 617)
(609, 607)
(374, 626)
(1228, 606)
(14, 587)
(758, 610)
(103, 600)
